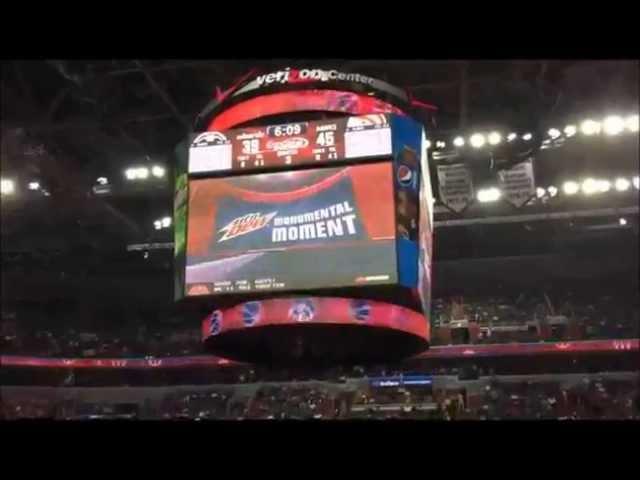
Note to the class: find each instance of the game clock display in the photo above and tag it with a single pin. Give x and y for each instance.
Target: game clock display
(285, 146)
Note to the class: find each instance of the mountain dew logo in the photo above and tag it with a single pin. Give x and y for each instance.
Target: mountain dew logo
(245, 224)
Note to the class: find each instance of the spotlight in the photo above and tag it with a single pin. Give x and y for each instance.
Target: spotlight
(488, 195)
(494, 138)
(477, 140)
(540, 192)
(458, 142)
(632, 123)
(554, 133)
(428, 144)
(527, 136)
(590, 127)
(157, 171)
(622, 184)
(553, 191)
(511, 137)
(570, 188)
(590, 186)
(622, 221)
(7, 187)
(102, 180)
(570, 130)
(166, 222)
(604, 185)
(157, 224)
(143, 173)
(34, 185)
(613, 125)
(131, 173)
(440, 144)
(636, 182)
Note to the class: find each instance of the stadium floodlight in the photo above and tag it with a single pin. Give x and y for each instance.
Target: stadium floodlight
(34, 185)
(142, 173)
(570, 130)
(613, 125)
(590, 127)
(458, 142)
(7, 187)
(494, 138)
(511, 137)
(554, 133)
(570, 188)
(477, 140)
(540, 192)
(636, 182)
(622, 221)
(622, 184)
(102, 180)
(590, 186)
(157, 224)
(632, 123)
(488, 195)
(131, 173)
(166, 222)
(440, 144)
(527, 136)
(157, 171)
(428, 144)
(553, 191)
(604, 186)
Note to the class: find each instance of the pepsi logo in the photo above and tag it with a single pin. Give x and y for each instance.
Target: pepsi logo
(302, 311)
(251, 313)
(215, 324)
(404, 175)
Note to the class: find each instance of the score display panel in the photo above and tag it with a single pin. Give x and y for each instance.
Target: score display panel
(290, 145)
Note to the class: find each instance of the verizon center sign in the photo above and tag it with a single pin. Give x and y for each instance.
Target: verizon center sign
(292, 76)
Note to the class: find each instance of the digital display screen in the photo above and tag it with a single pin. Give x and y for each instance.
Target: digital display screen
(316, 228)
(300, 101)
(284, 146)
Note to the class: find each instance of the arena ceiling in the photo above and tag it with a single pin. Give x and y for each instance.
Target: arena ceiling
(69, 122)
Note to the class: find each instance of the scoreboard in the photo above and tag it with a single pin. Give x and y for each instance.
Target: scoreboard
(305, 206)
(290, 145)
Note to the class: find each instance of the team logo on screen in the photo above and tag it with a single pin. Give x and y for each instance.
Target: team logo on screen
(245, 224)
(302, 311)
(215, 324)
(361, 310)
(288, 144)
(405, 175)
(373, 120)
(251, 313)
(207, 139)
(198, 289)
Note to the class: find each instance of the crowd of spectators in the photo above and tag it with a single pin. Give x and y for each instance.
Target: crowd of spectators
(561, 397)
(79, 343)
(525, 318)
(536, 317)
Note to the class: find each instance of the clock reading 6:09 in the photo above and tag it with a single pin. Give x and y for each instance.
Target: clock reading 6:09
(287, 130)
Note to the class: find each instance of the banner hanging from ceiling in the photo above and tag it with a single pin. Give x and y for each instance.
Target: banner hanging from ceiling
(456, 186)
(517, 183)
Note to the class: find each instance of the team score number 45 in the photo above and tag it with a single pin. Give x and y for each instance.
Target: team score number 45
(325, 139)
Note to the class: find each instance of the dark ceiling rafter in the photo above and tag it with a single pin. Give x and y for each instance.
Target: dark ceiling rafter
(65, 174)
(164, 96)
